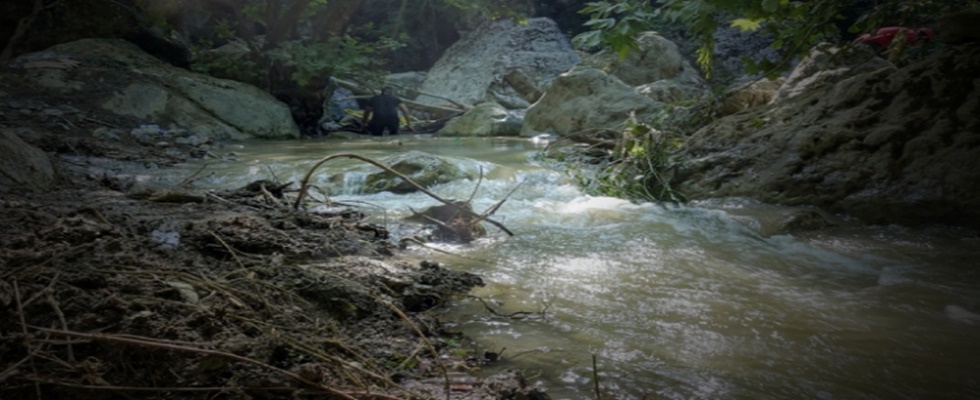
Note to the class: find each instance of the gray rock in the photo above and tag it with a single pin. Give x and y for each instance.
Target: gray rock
(131, 83)
(423, 168)
(656, 59)
(827, 64)
(603, 92)
(406, 84)
(23, 166)
(585, 99)
(885, 146)
(487, 119)
(472, 70)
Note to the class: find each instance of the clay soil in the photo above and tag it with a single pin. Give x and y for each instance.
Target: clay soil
(112, 293)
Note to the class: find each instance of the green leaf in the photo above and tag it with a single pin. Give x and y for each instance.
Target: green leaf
(747, 25)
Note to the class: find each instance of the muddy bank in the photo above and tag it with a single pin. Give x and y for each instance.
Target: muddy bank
(186, 293)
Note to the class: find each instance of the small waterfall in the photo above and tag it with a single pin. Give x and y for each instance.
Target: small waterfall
(353, 182)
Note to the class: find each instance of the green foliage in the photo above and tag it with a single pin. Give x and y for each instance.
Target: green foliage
(640, 167)
(310, 61)
(795, 25)
(293, 52)
(614, 25)
(230, 65)
(648, 152)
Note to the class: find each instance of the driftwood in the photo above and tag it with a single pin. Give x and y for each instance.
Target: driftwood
(435, 96)
(455, 219)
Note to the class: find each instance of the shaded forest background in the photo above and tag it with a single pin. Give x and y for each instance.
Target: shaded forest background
(291, 48)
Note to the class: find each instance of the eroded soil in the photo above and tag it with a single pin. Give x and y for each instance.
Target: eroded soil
(183, 293)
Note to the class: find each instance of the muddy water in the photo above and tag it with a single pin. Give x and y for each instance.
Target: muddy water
(680, 302)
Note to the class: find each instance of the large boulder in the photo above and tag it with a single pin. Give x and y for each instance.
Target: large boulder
(133, 85)
(472, 70)
(487, 119)
(23, 166)
(886, 146)
(656, 68)
(656, 58)
(585, 99)
(603, 92)
(407, 84)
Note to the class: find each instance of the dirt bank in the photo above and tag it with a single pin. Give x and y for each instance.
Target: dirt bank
(186, 293)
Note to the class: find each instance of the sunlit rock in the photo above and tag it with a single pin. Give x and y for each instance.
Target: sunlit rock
(423, 168)
(655, 59)
(585, 99)
(601, 93)
(487, 119)
(472, 70)
(134, 85)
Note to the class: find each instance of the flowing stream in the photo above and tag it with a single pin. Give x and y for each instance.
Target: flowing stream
(675, 302)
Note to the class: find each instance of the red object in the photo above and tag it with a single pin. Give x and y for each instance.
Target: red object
(884, 36)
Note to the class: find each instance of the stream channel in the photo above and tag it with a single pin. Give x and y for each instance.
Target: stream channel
(675, 302)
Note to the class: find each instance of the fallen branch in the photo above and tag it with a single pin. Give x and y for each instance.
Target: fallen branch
(410, 104)
(189, 179)
(471, 216)
(434, 96)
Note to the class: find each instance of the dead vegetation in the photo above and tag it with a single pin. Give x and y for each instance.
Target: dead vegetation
(106, 296)
(237, 294)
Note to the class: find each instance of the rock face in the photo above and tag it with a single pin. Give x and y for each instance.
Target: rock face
(487, 119)
(886, 146)
(130, 83)
(656, 59)
(601, 93)
(23, 166)
(472, 70)
(585, 98)
(731, 44)
(827, 64)
(744, 96)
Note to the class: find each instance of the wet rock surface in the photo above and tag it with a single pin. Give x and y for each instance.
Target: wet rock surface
(887, 146)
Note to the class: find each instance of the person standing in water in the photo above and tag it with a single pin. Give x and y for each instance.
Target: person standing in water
(381, 113)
